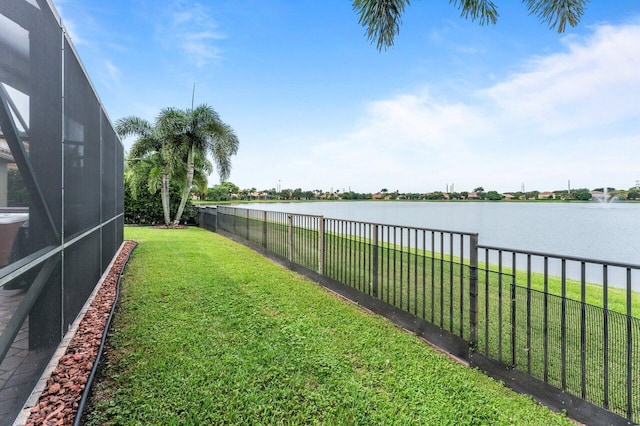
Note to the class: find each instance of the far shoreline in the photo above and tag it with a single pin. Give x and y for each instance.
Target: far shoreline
(537, 201)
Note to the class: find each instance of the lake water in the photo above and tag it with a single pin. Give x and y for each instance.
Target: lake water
(608, 232)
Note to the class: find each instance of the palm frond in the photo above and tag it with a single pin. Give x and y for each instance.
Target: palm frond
(144, 172)
(154, 180)
(203, 114)
(144, 146)
(130, 179)
(381, 18)
(225, 144)
(171, 122)
(225, 137)
(223, 163)
(200, 182)
(203, 164)
(483, 11)
(557, 13)
(133, 126)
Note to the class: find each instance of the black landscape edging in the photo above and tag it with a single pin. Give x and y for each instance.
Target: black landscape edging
(87, 388)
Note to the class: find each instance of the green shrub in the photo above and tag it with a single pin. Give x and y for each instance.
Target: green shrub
(146, 209)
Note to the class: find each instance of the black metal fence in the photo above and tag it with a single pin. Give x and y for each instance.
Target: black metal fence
(569, 322)
(61, 193)
(563, 329)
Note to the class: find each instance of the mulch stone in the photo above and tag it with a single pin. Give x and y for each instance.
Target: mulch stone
(58, 404)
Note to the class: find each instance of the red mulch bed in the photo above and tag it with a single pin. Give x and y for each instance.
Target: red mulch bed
(59, 402)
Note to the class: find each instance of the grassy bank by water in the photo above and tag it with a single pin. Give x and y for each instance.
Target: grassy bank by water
(209, 332)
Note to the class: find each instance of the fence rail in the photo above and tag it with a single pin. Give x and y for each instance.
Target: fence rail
(562, 328)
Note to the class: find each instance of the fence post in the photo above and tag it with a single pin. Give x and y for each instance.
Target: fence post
(514, 313)
(235, 220)
(264, 229)
(321, 245)
(630, 343)
(213, 217)
(247, 226)
(375, 261)
(473, 292)
(290, 235)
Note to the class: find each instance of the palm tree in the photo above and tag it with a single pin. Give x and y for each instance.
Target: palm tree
(199, 132)
(175, 148)
(150, 158)
(382, 17)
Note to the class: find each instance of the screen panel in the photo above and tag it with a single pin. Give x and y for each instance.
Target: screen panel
(81, 149)
(109, 142)
(82, 271)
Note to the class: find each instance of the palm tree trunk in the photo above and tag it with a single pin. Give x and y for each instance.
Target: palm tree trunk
(164, 193)
(187, 189)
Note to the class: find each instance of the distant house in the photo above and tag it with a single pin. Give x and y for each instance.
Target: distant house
(473, 196)
(546, 195)
(377, 196)
(330, 195)
(509, 196)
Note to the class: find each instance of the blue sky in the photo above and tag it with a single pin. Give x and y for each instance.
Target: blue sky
(316, 106)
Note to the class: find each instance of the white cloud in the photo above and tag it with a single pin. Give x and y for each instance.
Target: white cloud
(594, 83)
(191, 29)
(111, 75)
(570, 115)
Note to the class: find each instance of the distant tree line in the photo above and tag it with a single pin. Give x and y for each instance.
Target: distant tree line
(227, 191)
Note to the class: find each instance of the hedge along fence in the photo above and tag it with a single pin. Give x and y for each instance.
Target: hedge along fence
(537, 321)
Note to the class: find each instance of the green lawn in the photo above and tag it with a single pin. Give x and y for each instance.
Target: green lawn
(536, 333)
(208, 332)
